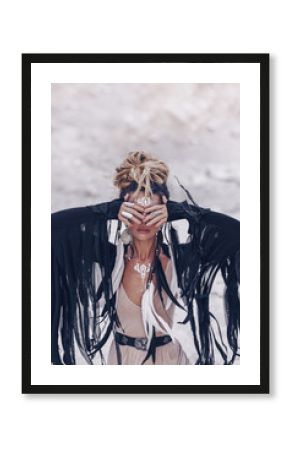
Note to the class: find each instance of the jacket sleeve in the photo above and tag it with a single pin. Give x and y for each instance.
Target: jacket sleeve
(213, 246)
(79, 240)
(219, 233)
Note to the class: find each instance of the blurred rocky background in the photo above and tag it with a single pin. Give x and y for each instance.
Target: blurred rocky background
(194, 128)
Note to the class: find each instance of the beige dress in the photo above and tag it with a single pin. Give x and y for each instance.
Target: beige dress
(130, 315)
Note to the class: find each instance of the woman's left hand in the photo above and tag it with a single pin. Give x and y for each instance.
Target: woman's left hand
(151, 216)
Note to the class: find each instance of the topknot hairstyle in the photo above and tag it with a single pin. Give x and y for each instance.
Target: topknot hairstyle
(141, 171)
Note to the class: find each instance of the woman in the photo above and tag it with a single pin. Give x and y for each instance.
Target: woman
(129, 286)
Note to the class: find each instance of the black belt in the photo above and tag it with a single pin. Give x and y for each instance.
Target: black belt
(140, 343)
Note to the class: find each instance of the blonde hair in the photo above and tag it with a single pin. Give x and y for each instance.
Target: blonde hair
(142, 168)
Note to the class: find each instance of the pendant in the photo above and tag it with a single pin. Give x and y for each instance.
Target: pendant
(142, 269)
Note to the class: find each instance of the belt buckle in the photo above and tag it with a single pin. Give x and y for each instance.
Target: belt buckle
(166, 339)
(140, 343)
(124, 339)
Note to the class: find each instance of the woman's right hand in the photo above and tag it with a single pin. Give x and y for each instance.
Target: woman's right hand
(136, 209)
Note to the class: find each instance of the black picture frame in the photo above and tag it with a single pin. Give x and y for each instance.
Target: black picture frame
(263, 60)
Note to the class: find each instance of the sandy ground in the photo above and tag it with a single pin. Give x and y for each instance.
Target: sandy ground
(194, 128)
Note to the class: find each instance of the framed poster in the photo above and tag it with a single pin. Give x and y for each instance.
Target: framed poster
(145, 223)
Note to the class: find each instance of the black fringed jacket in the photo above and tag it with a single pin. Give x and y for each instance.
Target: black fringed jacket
(79, 239)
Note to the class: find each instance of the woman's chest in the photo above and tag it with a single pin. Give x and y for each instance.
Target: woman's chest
(135, 278)
(135, 285)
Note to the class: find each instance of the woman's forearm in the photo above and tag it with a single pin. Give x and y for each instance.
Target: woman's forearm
(107, 210)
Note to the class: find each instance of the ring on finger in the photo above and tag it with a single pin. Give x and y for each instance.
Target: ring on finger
(127, 214)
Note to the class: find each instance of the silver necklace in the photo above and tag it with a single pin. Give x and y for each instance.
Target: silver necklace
(142, 269)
